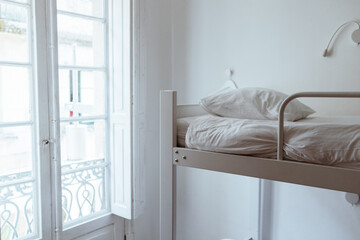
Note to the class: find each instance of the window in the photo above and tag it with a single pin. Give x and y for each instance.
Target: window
(83, 90)
(65, 116)
(19, 156)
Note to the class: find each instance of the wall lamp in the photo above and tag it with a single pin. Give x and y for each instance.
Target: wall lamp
(355, 36)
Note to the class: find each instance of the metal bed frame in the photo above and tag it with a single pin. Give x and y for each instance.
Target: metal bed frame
(171, 156)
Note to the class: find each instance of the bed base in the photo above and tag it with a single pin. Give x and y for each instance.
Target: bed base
(308, 174)
(341, 179)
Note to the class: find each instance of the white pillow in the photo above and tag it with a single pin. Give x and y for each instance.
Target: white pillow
(254, 103)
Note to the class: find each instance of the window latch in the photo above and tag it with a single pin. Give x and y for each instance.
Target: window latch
(46, 142)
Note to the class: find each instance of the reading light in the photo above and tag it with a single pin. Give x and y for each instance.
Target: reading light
(355, 36)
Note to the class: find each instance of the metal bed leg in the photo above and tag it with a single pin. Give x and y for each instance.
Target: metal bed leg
(167, 169)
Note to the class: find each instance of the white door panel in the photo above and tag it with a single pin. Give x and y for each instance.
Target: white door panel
(111, 232)
(106, 227)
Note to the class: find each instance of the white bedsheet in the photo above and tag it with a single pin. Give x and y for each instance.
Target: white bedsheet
(329, 141)
(182, 127)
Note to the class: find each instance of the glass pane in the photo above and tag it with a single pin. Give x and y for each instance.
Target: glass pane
(82, 93)
(82, 189)
(15, 151)
(16, 210)
(82, 141)
(83, 170)
(17, 148)
(14, 44)
(16, 199)
(14, 94)
(81, 41)
(87, 7)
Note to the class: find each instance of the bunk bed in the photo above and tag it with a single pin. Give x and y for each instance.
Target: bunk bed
(278, 169)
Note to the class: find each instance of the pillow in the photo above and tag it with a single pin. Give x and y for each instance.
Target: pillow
(254, 103)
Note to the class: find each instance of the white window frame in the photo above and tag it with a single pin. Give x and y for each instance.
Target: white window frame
(44, 165)
(38, 88)
(57, 118)
(120, 68)
(48, 168)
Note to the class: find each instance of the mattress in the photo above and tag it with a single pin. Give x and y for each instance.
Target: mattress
(331, 141)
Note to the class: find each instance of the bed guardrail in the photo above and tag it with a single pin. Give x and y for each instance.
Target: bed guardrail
(280, 151)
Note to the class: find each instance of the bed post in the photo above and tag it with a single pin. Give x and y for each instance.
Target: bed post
(167, 169)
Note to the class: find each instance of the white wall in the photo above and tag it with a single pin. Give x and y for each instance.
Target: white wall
(276, 44)
(155, 54)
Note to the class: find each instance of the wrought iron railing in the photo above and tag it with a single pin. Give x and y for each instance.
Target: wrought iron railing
(83, 188)
(83, 193)
(16, 208)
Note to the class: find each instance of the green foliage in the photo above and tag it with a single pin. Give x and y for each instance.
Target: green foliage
(10, 28)
(2, 25)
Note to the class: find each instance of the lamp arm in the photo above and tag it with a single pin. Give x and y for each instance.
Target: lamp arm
(337, 30)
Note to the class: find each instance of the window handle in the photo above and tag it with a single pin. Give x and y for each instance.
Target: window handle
(46, 142)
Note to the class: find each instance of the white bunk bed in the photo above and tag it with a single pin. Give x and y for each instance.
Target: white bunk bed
(322, 176)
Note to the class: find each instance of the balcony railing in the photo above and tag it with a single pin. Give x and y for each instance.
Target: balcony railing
(83, 193)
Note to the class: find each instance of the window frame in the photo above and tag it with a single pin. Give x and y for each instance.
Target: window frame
(38, 121)
(44, 165)
(114, 211)
(105, 117)
(47, 165)
(102, 218)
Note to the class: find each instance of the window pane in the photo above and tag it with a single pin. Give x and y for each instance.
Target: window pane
(82, 93)
(81, 41)
(14, 94)
(82, 140)
(87, 7)
(18, 218)
(14, 45)
(83, 168)
(15, 150)
(82, 189)
(16, 210)
(16, 199)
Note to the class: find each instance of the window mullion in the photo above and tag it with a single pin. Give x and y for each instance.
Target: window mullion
(15, 64)
(77, 119)
(85, 68)
(35, 118)
(54, 116)
(41, 103)
(82, 16)
(107, 90)
(16, 124)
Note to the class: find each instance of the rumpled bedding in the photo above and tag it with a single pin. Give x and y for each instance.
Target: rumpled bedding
(328, 141)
